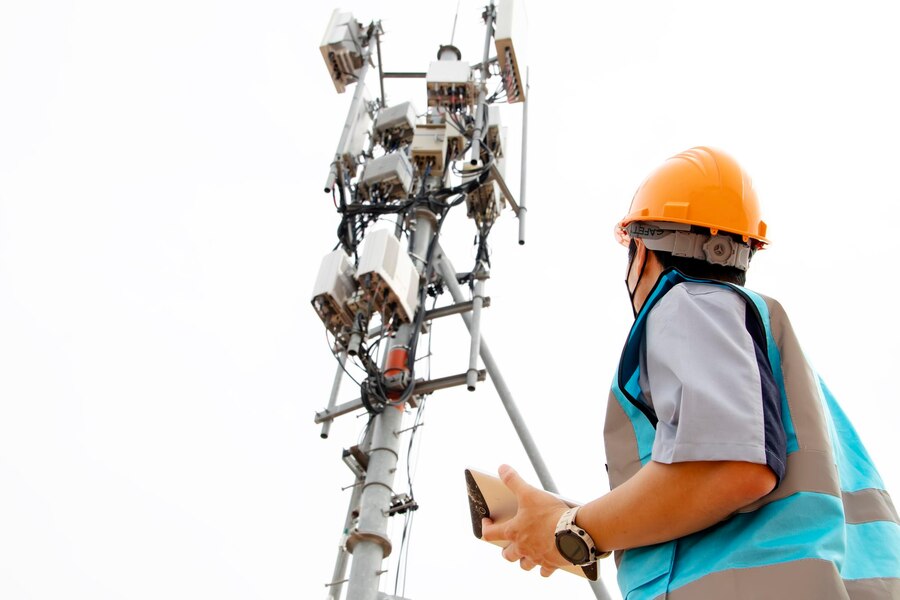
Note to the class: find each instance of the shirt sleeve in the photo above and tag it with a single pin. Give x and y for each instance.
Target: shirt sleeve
(709, 382)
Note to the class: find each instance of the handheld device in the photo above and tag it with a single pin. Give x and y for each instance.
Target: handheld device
(490, 498)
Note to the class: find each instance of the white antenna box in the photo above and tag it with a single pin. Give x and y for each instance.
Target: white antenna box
(334, 286)
(388, 276)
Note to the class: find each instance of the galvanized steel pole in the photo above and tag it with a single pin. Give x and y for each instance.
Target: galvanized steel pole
(449, 275)
(481, 105)
(445, 267)
(349, 124)
(369, 543)
(335, 388)
(522, 181)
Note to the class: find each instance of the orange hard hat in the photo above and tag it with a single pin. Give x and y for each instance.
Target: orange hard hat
(701, 186)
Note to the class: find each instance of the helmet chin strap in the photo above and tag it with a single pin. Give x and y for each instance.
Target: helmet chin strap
(632, 292)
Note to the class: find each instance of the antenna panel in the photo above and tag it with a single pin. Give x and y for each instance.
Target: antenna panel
(388, 280)
(386, 178)
(484, 204)
(357, 141)
(496, 134)
(429, 147)
(511, 24)
(334, 286)
(395, 125)
(341, 49)
(450, 85)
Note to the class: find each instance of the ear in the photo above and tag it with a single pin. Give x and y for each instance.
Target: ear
(640, 252)
(640, 249)
(653, 266)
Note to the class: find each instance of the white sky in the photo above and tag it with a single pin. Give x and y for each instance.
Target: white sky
(162, 222)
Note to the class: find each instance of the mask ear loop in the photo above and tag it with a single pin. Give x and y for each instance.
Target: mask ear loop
(621, 235)
(631, 293)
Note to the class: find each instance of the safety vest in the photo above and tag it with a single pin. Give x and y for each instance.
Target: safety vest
(828, 531)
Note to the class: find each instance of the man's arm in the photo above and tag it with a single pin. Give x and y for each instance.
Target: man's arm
(660, 503)
(667, 501)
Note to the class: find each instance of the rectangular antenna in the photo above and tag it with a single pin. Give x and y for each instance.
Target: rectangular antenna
(511, 23)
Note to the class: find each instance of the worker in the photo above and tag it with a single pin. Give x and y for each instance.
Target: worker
(733, 471)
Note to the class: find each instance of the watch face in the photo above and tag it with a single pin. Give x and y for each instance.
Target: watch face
(572, 548)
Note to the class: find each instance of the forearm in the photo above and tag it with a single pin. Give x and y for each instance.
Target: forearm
(663, 502)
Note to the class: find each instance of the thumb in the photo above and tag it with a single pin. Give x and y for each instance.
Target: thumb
(512, 479)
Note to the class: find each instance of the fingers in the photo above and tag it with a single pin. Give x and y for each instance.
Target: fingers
(510, 554)
(492, 532)
(512, 480)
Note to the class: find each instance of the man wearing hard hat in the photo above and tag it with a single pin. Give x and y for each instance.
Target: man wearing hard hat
(734, 472)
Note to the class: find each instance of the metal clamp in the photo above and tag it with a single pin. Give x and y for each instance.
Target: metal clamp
(357, 536)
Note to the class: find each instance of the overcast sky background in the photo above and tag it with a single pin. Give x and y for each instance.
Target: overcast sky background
(162, 222)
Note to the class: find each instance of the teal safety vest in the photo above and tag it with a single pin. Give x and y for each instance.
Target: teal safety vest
(828, 531)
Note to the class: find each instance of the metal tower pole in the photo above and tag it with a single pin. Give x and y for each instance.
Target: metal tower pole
(369, 543)
(445, 267)
(340, 564)
(522, 210)
(475, 328)
(374, 463)
(481, 116)
(335, 388)
(349, 124)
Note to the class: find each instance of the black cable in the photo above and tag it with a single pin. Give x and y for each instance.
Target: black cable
(362, 208)
(425, 179)
(457, 125)
(374, 375)
(365, 431)
(356, 217)
(427, 272)
(407, 526)
(403, 555)
(337, 358)
(406, 556)
(482, 170)
(482, 253)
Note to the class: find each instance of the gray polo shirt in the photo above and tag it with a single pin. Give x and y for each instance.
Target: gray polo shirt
(705, 373)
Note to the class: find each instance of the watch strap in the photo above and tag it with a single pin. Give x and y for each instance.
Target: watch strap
(567, 523)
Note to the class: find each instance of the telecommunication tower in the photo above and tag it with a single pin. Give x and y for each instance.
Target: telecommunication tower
(395, 164)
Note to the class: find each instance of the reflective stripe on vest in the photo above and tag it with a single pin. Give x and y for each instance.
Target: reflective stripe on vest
(829, 530)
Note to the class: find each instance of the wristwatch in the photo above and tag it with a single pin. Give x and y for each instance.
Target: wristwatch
(574, 543)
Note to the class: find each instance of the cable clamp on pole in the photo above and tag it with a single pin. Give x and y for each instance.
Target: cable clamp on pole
(357, 536)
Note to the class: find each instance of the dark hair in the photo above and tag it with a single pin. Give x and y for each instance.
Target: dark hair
(700, 269)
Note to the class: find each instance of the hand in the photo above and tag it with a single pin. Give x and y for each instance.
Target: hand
(531, 533)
